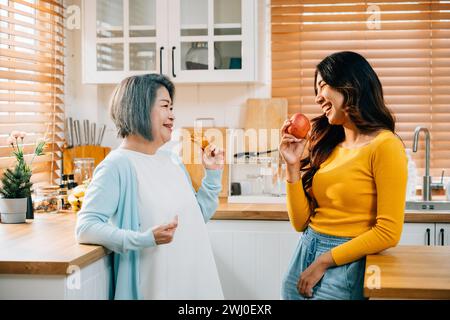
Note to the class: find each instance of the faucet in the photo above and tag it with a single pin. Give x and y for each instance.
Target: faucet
(426, 189)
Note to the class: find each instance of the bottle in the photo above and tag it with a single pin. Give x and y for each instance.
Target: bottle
(64, 193)
(412, 177)
(71, 182)
(266, 172)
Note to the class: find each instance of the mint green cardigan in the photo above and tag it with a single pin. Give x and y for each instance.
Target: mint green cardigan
(109, 217)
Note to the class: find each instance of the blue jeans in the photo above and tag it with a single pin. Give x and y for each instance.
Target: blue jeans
(344, 282)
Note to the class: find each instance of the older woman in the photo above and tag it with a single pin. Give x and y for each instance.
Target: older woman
(141, 198)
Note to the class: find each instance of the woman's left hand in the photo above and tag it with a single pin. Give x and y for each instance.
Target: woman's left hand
(312, 275)
(213, 158)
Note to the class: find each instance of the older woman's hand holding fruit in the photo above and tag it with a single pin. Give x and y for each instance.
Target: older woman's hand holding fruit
(292, 145)
(213, 158)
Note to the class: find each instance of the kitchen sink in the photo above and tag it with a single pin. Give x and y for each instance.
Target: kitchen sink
(428, 205)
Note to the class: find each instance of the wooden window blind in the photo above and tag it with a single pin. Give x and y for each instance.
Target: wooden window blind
(406, 42)
(31, 81)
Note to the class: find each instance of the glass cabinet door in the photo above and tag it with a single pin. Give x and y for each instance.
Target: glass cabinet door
(123, 38)
(194, 33)
(209, 40)
(228, 33)
(110, 33)
(142, 35)
(190, 40)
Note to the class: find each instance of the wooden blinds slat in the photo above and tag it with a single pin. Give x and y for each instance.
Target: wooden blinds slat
(27, 14)
(42, 7)
(32, 81)
(32, 27)
(409, 48)
(45, 48)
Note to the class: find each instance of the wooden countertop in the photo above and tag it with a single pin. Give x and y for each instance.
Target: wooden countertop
(45, 245)
(409, 272)
(266, 211)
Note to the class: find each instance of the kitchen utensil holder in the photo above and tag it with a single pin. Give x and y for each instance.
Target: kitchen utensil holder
(97, 152)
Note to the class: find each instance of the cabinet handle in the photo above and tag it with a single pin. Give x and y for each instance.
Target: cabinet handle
(160, 59)
(428, 236)
(173, 62)
(441, 236)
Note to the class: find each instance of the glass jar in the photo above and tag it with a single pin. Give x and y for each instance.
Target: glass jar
(46, 199)
(256, 184)
(83, 169)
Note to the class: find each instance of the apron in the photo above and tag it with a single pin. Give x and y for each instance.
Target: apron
(184, 268)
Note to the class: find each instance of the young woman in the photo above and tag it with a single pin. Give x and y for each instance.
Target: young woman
(141, 198)
(348, 192)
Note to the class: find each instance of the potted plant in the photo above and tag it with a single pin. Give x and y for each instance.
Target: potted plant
(16, 186)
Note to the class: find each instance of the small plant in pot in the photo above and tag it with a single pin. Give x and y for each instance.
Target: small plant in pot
(15, 183)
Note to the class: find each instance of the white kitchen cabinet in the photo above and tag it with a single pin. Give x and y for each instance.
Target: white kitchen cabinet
(91, 282)
(252, 257)
(191, 41)
(122, 38)
(429, 234)
(418, 234)
(443, 234)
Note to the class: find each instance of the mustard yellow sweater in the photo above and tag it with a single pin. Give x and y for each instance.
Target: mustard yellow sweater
(360, 194)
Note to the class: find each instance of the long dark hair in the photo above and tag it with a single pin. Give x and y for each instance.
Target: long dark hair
(350, 74)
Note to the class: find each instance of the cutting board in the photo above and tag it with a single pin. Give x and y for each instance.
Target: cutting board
(265, 114)
(192, 160)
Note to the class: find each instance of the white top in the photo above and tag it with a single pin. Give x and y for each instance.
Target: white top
(184, 268)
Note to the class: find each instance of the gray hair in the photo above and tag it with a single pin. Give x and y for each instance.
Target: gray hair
(132, 103)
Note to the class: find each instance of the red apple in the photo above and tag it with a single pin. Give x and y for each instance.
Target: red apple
(299, 126)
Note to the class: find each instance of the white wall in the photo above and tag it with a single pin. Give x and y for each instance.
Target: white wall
(224, 102)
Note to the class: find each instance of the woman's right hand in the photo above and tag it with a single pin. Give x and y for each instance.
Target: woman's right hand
(164, 233)
(291, 148)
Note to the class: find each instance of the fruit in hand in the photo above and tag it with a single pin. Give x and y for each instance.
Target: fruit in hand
(205, 143)
(299, 126)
